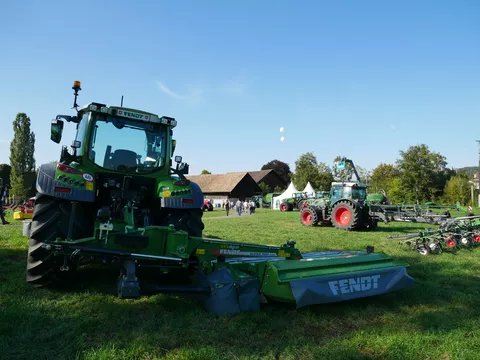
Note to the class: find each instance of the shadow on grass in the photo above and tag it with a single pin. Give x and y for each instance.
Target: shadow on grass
(400, 227)
(89, 321)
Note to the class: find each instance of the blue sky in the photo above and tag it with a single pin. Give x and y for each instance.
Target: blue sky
(362, 79)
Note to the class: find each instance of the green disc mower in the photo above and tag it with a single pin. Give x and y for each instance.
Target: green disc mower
(115, 198)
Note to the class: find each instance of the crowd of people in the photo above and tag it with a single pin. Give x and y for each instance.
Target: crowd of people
(241, 207)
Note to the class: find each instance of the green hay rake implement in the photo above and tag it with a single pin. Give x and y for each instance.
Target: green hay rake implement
(453, 235)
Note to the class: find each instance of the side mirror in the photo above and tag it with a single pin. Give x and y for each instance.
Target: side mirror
(174, 145)
(56, 131)
(178, 159)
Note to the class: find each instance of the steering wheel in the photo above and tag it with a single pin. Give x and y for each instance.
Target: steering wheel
(106, 159)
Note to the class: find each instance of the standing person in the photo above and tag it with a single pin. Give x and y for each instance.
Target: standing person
(238, 205)
(245, 206)
(3, 193)
(252, 207)
(227, 206)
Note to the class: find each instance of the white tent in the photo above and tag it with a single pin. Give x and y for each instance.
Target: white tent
(309, 190)
(286, 194)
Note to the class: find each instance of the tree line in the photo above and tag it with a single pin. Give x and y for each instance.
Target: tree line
(419, 175)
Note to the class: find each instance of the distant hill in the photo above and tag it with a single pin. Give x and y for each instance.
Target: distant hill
(470, 170)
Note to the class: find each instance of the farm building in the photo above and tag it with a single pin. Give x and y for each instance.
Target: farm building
(218, 187)
(269, 177)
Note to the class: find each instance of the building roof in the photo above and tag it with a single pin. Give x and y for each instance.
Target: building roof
(259, 175)
(218, 183)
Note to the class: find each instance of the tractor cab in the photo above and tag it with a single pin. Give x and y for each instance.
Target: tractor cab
(119, 139)
(348, 190)
(119, 167)
(299, 196)
(322, 195)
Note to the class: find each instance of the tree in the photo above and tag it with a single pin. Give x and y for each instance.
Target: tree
(5, 170)
(395, 193)
(281, 168)
(278, 190)
(457, 189)
(265, 188)
(22, 160)
(307, 169)
(325, 178)
(205, 172)
(423, 173)
(382, 177)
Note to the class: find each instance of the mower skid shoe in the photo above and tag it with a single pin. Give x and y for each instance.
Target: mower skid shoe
(128, 285)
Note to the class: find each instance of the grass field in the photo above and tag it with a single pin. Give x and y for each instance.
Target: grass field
(437, 319)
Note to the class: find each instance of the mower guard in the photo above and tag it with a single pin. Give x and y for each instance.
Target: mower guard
(324, 277)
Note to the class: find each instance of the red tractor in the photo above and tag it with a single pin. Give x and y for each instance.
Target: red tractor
(207, 205)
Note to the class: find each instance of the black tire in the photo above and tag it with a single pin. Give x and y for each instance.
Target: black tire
(289, 207)
(51, 218)
(371, 224)
(308, 216)
(345, 215)
(189, 220)
(301, 204)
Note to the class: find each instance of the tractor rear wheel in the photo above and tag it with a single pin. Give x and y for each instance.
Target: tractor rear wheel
(308, 216)
(345, 215)
(51, 218)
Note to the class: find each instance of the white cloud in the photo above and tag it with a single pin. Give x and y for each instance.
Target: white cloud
(194, 93)
(163, 88)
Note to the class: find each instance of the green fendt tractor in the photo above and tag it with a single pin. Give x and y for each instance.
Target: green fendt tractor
(293, 203)
(346, 207)
(116, 199)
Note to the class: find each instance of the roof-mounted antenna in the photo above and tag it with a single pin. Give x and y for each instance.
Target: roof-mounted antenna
(121, 102)
(76, 87)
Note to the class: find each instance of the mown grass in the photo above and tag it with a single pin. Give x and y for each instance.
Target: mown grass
(437, 319)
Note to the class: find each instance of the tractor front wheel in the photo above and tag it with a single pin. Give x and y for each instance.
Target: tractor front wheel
(283, 207)
(308, 216)
(51, 218)
(345, 215)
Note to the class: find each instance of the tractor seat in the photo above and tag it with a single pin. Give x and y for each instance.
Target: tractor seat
(123, 158)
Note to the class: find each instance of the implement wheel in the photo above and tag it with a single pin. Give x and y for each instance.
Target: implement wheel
(308, 216)
(50, 220)
(345, 215)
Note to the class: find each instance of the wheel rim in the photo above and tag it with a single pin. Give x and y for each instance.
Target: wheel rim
(307, 217)
(422, 250)
(476, 239)
(451, 243)
(343, 216)
(283, 207)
